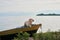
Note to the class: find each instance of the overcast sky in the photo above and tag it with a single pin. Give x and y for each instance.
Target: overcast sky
(28, 5)
(12, 12)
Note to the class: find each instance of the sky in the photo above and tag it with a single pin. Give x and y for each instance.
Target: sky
(13, 13)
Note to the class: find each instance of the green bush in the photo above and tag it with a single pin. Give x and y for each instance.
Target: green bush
(35, 36)
(40, 36)
(26, 36)
(22, 36)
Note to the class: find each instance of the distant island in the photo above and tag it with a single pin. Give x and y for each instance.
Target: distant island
(48, 14)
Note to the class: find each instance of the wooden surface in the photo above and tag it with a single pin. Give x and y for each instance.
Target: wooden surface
(17, 30)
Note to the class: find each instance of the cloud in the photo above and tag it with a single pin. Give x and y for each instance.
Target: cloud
(28, 5)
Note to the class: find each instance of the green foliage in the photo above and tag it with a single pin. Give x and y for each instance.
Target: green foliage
(22, 36)
(40, 36)
(47, 36)
(26, 36)
(35, 36)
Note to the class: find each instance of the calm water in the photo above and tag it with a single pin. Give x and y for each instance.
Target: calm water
(48, 22)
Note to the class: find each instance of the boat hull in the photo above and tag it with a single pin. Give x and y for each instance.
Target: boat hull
(10, 34)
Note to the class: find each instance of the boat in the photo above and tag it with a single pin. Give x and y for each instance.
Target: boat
(10, 34)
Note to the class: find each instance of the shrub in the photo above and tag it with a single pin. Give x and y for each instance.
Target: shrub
(40, 36)
(22, 36)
